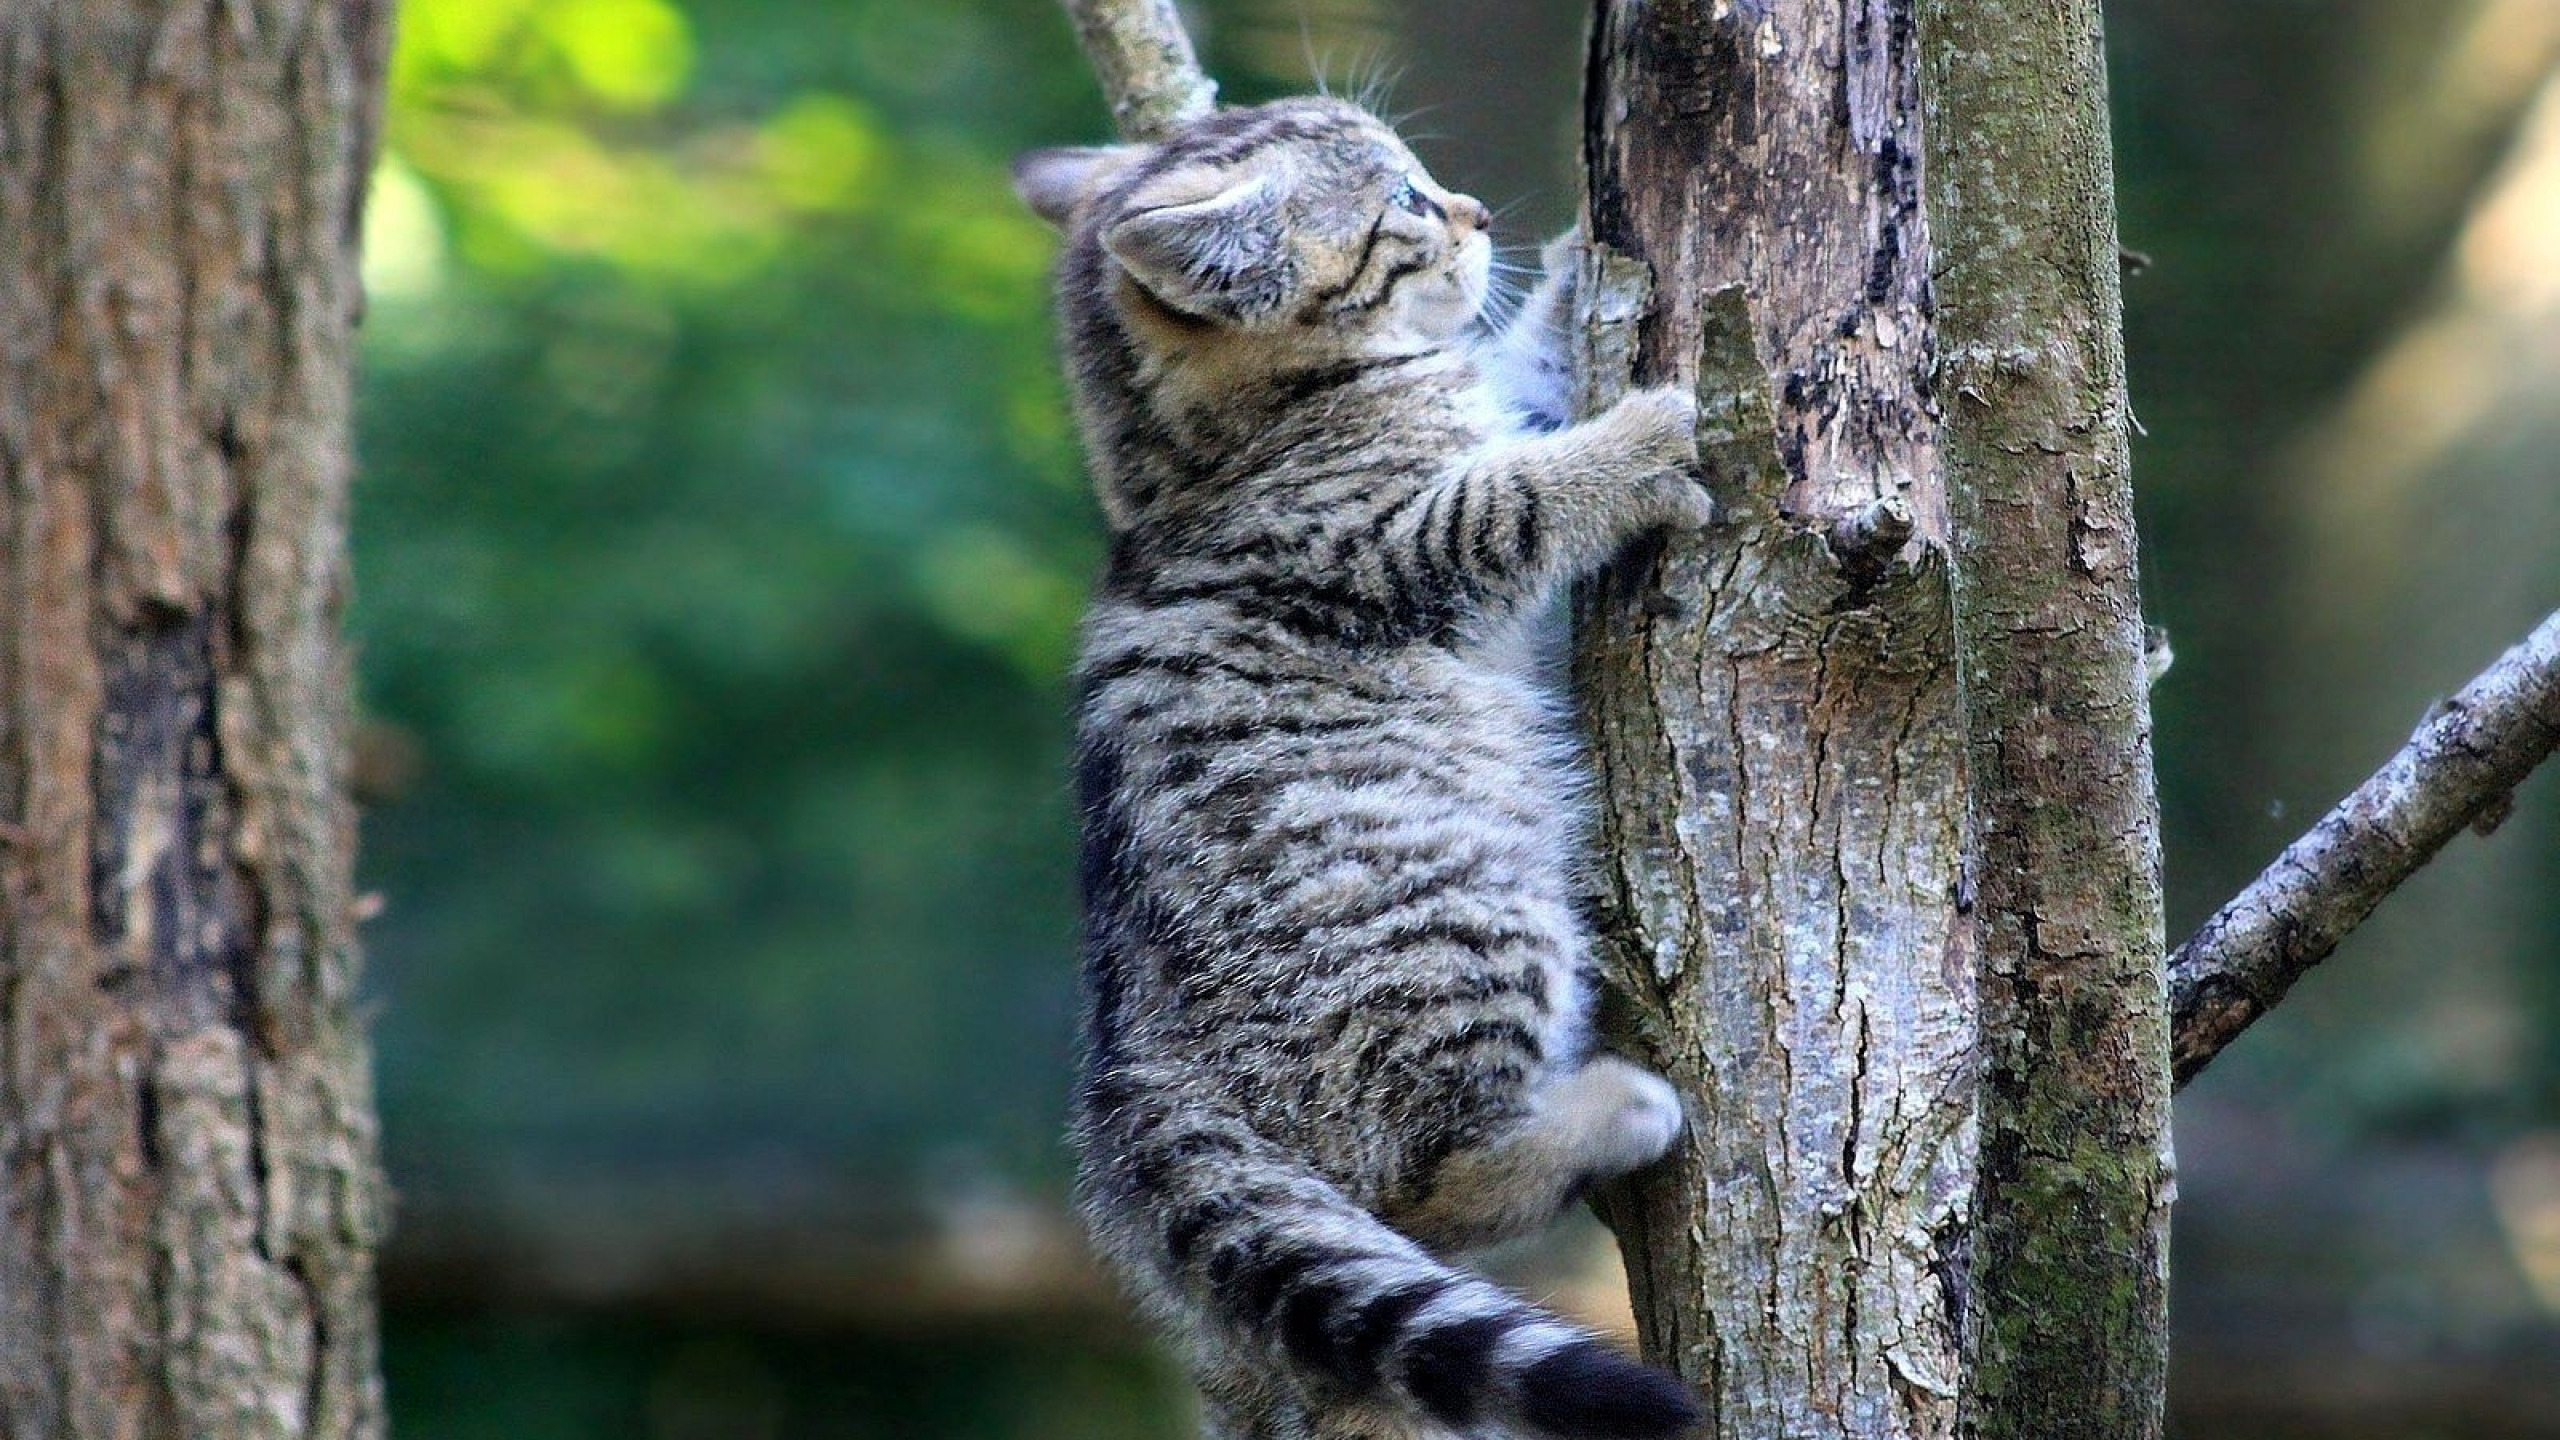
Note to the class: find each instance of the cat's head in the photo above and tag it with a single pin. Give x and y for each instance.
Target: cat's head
(1305, 216)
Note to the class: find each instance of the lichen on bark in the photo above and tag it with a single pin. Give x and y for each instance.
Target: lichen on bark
(2068, 1262)
(1142, 55)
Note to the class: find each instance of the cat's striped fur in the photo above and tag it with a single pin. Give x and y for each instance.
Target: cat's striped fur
(1335, 977)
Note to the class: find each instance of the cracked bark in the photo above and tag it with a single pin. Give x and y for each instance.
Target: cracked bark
(1899, 939)
(1774, 718)
(188, 1197)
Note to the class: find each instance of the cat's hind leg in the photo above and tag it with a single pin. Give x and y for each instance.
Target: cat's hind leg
(1242, 1401)
(1602, 1120)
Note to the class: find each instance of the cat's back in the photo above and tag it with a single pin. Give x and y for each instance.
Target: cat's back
(1290, 735)
(1256, 806)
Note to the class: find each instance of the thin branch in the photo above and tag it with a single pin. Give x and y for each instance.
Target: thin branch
(2460, 768)
(1143, 56)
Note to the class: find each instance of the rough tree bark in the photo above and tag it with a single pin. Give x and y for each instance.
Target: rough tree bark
(1143, 56)
(1776, 729)
(188, 1197)
(1923, 1117)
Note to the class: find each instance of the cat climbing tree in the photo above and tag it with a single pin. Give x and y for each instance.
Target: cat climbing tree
(1879, 836)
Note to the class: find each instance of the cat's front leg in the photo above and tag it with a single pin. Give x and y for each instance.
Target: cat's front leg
(1527, 511)
(1642, 459)
(1531, 361)
(1594, 486)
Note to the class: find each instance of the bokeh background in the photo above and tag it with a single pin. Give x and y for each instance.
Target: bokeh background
(720, 538)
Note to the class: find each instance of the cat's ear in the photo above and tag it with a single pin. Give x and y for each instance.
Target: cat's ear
(1053, 182)
(1221, 257)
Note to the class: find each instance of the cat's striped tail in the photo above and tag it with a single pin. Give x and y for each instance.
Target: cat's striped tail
(1269, 1260)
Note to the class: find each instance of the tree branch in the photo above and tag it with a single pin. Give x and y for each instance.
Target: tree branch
(2460, 767)
(1144, 59)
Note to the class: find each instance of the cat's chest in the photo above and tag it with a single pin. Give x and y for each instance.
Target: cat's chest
(1501, 701)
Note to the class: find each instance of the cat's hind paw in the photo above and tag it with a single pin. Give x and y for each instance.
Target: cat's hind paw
(1645, 1120)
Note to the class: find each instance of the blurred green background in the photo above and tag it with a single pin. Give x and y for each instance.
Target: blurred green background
(720, 538)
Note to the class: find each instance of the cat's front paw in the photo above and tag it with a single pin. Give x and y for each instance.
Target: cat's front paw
(1562, 256)
(1659, 427)
(1678, 502)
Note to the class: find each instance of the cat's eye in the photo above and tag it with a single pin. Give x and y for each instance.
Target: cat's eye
(1410, 200)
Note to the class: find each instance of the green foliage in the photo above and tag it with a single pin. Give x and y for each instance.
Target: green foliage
(720, 539)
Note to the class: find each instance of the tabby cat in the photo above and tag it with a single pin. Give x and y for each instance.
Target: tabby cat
(1336, 984)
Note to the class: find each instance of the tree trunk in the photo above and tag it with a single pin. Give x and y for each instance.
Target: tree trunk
(188, 1196)
(2069, 1325)
(1799, 802)
(1780, 758)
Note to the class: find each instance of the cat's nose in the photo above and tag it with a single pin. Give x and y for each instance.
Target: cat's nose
(1469, 211)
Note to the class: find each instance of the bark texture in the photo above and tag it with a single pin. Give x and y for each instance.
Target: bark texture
(2460, 768)
(1774, 717)
(188, 1197)
(1142, 55)
(2068, 1263)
